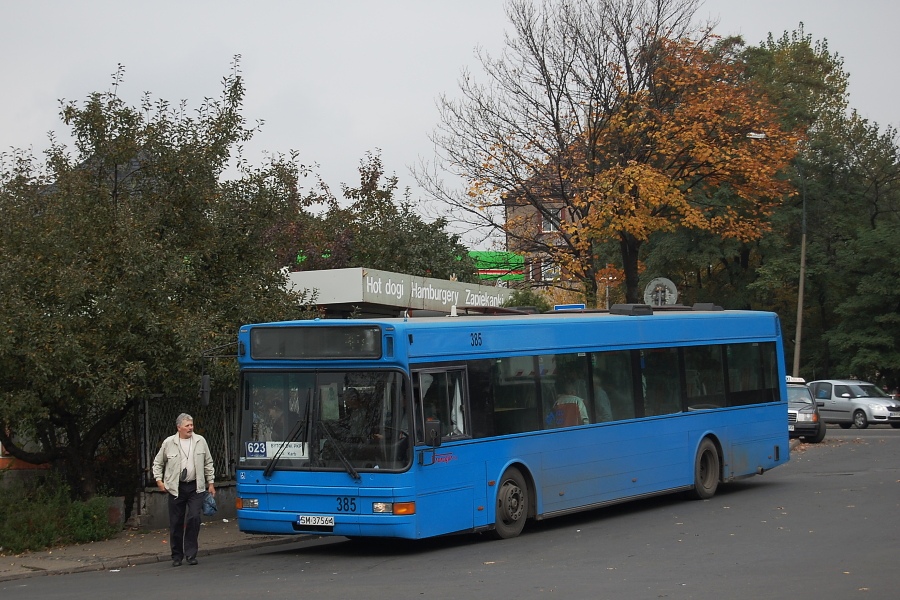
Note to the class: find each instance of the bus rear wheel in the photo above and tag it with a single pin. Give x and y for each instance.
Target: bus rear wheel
(512, 504)
(706, 471)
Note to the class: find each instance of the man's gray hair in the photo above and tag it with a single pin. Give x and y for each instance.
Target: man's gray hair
(180, 419)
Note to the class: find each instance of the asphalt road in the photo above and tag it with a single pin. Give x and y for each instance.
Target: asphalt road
(824, 525)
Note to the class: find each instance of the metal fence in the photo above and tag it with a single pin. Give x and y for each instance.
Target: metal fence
(216, 422)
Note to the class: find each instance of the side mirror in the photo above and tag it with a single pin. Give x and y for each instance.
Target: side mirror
(204, 390)
(433, 432)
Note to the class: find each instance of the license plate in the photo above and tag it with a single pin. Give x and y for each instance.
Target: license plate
(315, 521)
(790, 427)
(894, 415)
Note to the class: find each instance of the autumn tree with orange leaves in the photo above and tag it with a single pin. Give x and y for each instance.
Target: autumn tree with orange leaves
(612, 120)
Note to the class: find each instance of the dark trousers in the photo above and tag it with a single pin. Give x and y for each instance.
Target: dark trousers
(184, 520)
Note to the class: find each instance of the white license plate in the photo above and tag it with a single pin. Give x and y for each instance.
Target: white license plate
(790, 427)
(315, 520)
(894, 415)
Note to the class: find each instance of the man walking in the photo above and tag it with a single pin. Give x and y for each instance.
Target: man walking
(184, 468)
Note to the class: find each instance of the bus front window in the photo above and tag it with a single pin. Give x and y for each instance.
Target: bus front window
(338, 418)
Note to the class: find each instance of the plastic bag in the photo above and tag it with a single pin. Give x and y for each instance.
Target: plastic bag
(209, 505)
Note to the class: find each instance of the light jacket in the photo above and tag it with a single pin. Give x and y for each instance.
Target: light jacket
(167, 464)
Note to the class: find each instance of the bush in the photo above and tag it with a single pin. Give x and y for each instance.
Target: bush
(41, 515)
(528, 297)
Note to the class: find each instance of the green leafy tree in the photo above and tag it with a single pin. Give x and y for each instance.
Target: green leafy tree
(528, 297)
(846, 176)
(122, 263)
(866, 341)
(801, 75)
(854, 196)
(379, 231)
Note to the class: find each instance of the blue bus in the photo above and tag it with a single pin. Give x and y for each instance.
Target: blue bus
(418, 427)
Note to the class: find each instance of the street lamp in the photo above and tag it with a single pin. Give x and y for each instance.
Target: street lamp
(798, 334)
(606, 279)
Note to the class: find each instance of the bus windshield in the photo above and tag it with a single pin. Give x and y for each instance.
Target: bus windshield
(325, 420)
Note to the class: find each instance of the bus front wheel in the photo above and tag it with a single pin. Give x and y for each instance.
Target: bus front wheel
(512, 504)
(706, 471)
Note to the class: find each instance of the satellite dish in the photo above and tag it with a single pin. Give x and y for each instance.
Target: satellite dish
(660, 292)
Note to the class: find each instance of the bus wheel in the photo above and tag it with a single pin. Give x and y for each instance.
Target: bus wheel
(706, 471)
(512, 505)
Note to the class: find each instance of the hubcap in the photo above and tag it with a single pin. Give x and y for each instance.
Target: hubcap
(511, 502)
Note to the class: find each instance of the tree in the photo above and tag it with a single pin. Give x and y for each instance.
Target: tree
(866, 339)
(800, 75)
(121, 264)
(612, 120)
(528, 297)
(846, 174)
(378, 231)
(854, 188)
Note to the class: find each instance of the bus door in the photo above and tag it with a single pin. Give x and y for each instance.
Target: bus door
(446, 473)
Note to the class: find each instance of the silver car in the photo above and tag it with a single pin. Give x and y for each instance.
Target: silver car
(850, 402)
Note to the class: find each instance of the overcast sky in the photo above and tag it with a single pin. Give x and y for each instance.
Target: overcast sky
(335, 79)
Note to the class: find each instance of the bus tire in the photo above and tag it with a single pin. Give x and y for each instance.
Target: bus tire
(512, 504)
(706, 471)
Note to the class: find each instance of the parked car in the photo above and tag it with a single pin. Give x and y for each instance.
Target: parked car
(803, 413)
(850, 402)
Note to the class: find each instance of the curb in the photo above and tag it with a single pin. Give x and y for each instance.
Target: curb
(132, 561)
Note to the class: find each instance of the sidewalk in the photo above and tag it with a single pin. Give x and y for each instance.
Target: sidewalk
(130, 548)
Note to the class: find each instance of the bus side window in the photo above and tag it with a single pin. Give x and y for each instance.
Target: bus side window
(434, 398)
(457, 415)
(443, 399)
(613, 394)
(567, 375)
(662, 394)
(704, 376)
(748, 378)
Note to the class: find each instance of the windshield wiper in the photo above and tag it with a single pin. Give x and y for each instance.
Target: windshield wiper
(337, 449)
(295, 431)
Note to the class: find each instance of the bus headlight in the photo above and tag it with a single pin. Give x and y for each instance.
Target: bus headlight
(394, 508)
(246, 503)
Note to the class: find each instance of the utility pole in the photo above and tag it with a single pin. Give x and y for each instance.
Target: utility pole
(798, 334)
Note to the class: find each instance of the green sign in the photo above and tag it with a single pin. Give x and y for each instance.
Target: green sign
(505, 266)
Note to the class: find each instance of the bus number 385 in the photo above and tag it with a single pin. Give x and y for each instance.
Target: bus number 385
(476, 338)
(346, 505)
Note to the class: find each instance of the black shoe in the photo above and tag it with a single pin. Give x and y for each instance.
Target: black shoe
(191, 560)
(176, 562)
